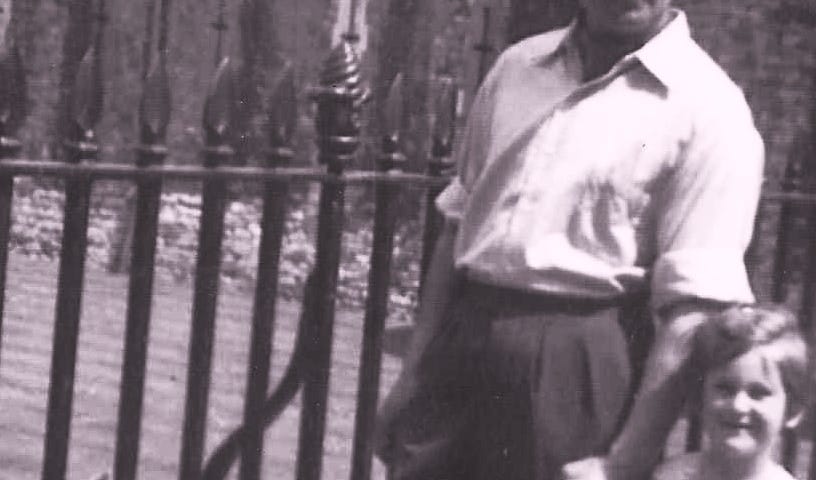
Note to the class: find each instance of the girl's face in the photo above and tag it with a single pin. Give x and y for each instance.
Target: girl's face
(744, 405)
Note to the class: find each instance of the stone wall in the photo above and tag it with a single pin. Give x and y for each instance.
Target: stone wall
(37, 231)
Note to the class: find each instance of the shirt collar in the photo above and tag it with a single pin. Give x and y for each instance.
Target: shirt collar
(659, 55)
(563, 42)
(662, 55)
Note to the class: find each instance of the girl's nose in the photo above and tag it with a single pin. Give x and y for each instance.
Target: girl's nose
(741, 402)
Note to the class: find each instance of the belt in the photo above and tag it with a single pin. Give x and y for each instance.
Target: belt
(517, 299)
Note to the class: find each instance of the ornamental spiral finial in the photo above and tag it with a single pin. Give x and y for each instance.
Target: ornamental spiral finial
(341, 73)
(339, 97)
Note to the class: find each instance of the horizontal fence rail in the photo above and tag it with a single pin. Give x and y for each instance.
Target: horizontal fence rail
(115, 171)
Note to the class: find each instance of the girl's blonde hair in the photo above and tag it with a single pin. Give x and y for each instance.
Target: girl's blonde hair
(740, 328)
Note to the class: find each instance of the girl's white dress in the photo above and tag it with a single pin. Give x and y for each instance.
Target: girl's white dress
(685, 467)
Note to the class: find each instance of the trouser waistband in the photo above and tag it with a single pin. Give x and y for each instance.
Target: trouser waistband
(515, 298)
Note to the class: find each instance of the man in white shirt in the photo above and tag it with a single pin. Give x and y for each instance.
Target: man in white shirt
(602, 163)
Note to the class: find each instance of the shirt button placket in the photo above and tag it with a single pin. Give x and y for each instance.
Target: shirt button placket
(538, 158)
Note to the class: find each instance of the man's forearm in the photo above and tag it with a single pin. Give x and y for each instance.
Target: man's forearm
(660, 397)
(435, 295)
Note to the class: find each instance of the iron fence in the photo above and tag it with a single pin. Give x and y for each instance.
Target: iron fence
(339, 97)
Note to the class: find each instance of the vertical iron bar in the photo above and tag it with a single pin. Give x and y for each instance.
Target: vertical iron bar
(792, 181)
(808, 328)
(379, 281)
(812, 466)
(809, 274)
(147, 47)
(12, 112)
(263, 319)
(282, 124)
(81, 145)
(217, 125)
(154, 113)
(375, 316)
(9, 148)
(790, 440)
(339, 99)
(433, 219)
(208, 262)
(66, 328)
(164, 14)
(318, 356)
(138, 327)
(440, 164)
(220, 25)
(484, 47)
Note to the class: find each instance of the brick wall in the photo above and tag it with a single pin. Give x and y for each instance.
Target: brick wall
(770, 51)
(768, 48)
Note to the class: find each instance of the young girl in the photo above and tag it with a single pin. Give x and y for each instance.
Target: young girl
(754, 368)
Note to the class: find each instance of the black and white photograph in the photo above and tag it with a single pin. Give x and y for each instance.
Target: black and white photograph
(407, 239)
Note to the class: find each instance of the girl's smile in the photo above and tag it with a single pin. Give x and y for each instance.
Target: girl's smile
(744, 406)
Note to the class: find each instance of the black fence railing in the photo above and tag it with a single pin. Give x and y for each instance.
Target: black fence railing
(339, 97)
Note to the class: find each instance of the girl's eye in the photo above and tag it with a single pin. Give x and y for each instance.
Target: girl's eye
(724, 388)
(759, 391)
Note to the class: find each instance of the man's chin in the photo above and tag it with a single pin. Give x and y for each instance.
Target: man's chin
(627, 27)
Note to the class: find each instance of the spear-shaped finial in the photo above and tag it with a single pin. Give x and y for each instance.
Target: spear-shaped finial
(219, 105)
(164, 14)
(282, 116)
(147, 42)
(351, 34)
(220, 26)
(154, 108)
(444, 126)
(101, 15)
(484, 47)
(392, 126)
(86, 106)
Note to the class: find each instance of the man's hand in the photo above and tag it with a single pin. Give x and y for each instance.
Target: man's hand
(392, 406)
(597, 468)
(590, 468)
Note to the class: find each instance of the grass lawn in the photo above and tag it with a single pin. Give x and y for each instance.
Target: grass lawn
(25, 362)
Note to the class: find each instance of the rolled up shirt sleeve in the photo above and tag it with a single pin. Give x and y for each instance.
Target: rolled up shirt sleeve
(708, 212)
(453, 199)
(469, 158)
(471, 153)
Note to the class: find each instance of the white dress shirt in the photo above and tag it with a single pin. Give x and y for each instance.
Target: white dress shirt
(651, 171)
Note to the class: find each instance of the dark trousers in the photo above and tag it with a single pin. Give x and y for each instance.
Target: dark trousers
(514, 386)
